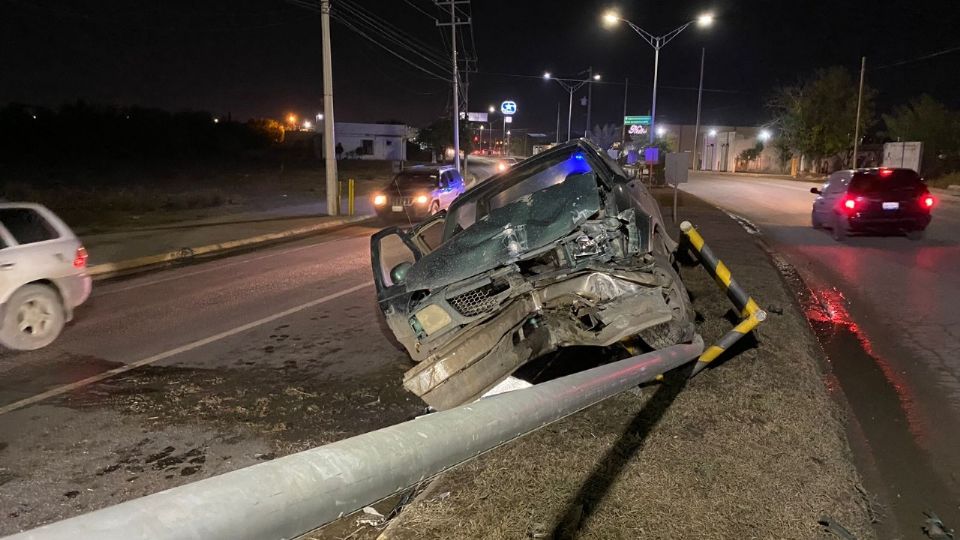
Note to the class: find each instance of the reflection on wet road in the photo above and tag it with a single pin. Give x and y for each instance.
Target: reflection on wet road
(885, 311)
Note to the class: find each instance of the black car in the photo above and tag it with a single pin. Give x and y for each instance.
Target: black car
(879, 200)
(418, 192)
(561, 250)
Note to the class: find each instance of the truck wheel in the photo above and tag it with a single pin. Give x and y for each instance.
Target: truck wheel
(33, 318)
(681, 328)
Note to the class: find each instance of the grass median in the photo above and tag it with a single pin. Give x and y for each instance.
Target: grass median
(752, 448)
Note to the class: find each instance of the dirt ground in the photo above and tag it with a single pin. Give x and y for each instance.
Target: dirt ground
(752, 448)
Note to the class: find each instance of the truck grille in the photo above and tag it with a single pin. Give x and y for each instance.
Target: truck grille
(480, 300)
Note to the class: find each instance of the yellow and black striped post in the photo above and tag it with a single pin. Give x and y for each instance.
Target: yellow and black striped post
(749, 309)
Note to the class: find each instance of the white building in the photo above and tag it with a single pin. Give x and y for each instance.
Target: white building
(371, 141)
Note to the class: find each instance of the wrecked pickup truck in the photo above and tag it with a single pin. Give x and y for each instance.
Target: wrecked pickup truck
(561, 250)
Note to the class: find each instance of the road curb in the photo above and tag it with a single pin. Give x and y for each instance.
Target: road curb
(101, 271)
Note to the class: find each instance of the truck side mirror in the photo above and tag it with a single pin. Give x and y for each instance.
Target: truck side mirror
(399, 272)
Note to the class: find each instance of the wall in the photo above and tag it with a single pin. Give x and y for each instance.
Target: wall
(384, 141)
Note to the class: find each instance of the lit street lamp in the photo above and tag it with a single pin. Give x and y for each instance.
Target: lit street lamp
(571, 86)
(611, 18)
(764, 135)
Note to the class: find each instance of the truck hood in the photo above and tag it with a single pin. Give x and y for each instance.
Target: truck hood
(506, 233)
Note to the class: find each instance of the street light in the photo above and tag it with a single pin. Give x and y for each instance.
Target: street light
(307, 124)
(712, 133)
(611, 18)
(764, 135)
(661, 131)
(571, 86)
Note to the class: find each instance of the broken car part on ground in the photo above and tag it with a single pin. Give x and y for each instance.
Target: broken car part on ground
(562, 250)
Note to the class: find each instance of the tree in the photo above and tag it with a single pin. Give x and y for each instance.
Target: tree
(926, 119)
(268, 129)
(751, 154)
(438, 136)
(816, 117)
(605, 136)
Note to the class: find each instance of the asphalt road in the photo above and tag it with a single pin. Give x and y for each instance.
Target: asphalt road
(236, 360)
(190, 372)
(885, 310)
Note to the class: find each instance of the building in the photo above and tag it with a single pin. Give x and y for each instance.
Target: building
(721, 148)
(370, 141)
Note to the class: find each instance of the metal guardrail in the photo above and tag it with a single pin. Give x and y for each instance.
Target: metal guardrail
(295, 494)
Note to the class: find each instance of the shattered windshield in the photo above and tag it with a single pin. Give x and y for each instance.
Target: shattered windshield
(540, 206)
(514, 186)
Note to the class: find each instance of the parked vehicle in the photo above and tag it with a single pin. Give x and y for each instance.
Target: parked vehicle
(561, 250)
(42, 275)
(879, 200)
(419, 192)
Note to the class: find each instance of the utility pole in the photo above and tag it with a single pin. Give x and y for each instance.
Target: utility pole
(586, 129)
(466, 109)
(456, 73)
(623, 128)
(696, 129)
(558, 123)
(856, 129)
(456, 89)
(330, 157)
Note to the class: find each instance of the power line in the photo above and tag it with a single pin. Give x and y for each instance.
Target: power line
(363, 25)
(918, 59)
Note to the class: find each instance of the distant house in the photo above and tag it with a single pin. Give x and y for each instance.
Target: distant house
(371, 141)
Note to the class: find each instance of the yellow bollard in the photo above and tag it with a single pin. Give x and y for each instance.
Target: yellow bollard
(351, 205)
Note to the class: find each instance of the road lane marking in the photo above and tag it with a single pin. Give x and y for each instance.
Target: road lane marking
(99, 292)
(182, 349)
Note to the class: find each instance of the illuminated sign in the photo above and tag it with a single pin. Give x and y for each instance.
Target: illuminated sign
(508, 107)
(636, 120)
(508, 119)
(476, 116)
(637, 129)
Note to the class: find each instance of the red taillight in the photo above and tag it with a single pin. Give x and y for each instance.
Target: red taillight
(850, 205)
(886, 172)
(80, 258)
(928, 201)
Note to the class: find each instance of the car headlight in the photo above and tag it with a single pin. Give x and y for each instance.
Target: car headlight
(422, 199)
(379, 200)
(432, 318)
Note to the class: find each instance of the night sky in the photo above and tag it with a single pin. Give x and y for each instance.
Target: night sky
(262, 57)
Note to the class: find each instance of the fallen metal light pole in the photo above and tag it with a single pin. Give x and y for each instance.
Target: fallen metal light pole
(289, 496)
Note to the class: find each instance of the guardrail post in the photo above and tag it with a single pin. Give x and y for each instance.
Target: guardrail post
(748, 307)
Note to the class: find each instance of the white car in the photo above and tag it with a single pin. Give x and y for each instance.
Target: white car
(43, 275)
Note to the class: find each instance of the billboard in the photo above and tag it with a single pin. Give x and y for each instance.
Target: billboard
(476, 117)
